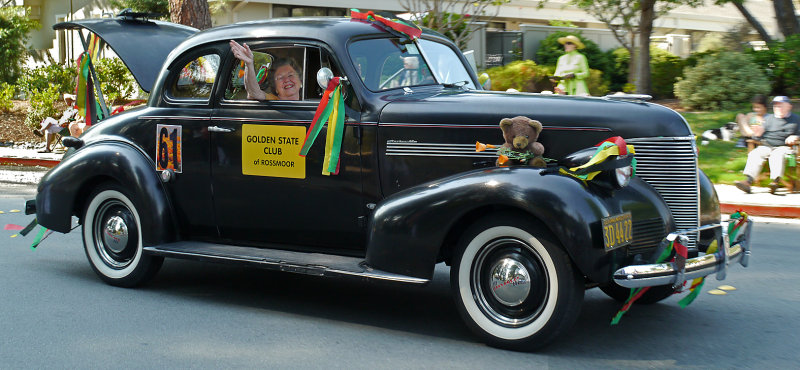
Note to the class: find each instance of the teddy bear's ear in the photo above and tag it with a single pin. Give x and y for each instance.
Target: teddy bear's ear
(537, 126)
(506, 122)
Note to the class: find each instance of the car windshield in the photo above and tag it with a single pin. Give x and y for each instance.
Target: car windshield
(388, 63)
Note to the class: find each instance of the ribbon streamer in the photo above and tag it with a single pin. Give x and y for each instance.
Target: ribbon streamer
(614, 146)
(330, 110)
(410, 30)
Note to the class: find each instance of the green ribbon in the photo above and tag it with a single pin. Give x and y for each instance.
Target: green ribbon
(38, 238)
(333, 165)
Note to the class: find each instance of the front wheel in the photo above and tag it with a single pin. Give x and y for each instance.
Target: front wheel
(112, 238)
(513, 284)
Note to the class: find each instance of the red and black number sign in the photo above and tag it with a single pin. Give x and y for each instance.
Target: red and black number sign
(168, 148)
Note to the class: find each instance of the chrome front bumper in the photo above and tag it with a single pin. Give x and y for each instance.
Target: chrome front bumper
(669, 273)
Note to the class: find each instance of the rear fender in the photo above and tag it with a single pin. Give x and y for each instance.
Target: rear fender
(408, 229)
(63, 190)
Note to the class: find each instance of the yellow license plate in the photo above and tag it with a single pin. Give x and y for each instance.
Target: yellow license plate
(617, 231)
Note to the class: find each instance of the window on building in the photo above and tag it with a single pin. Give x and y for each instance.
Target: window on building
(279, 11)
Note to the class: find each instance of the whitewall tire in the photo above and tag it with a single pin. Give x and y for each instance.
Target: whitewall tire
(112, 238)
(513, 284)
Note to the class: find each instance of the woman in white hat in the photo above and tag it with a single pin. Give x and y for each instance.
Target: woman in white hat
(572, 67)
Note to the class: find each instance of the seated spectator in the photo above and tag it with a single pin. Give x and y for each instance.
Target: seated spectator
(750, 125)
(285, 74)
(780, 131)
(50, 126)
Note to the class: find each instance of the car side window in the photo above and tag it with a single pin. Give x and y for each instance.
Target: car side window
(196, 78)
(389, 63)
(283, 73)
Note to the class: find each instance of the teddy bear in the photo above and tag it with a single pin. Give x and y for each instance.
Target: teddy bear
(521, 148)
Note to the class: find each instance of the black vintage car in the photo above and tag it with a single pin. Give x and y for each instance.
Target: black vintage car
(204, 173)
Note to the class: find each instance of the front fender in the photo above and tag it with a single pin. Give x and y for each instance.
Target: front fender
(408, 228)
(62, 191)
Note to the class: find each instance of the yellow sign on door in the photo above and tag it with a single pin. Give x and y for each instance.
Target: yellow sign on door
(273, 151)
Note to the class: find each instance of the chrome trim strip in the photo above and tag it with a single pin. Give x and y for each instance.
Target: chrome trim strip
(367, 272)
(183, 118)
(444, 125)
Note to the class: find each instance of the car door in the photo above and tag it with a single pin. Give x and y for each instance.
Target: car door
(179, 125)
(264, 192)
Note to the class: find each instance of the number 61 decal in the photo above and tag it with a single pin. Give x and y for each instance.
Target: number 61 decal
(168, 148)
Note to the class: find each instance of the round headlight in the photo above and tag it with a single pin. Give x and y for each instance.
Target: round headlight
(623, 175)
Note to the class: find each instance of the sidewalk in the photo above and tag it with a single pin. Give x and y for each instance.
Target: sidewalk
(28, 157)
(759, 203)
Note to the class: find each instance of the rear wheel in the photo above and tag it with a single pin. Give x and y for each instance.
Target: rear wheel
(112, 238)
(513, 284)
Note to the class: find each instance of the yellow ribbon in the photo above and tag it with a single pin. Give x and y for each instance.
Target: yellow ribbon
(332, 126)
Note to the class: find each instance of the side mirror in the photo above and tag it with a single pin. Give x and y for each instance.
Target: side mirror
(324, 75)
(485, 81)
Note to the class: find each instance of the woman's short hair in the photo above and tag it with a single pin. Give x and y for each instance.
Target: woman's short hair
(759, 99)
(280, 63)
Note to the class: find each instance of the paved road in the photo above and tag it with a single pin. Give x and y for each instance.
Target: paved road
(54, 312)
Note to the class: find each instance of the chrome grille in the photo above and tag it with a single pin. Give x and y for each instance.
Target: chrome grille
(646, 235)
(670, 166)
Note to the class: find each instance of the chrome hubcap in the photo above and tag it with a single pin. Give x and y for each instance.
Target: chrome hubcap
(510, 282)
(115, 234)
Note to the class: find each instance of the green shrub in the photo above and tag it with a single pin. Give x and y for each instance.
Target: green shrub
(42, 105)
(665, 68)
(724, 81)
(15, 24)
(115, 79)
(527, 76)
(522, 75)
(60, 75)
(6, 94)
(781, 63)
(596, 84)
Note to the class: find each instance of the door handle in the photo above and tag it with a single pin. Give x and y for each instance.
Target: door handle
(219, 129)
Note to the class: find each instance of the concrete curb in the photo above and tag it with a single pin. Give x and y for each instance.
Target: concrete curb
(29, 161)
(759, 210)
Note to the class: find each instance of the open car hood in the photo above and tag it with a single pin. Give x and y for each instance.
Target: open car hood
(143, 45)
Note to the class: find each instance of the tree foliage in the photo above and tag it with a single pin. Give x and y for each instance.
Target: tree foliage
(15, 25)
(452, 18)
(781, 62)
(143, 6)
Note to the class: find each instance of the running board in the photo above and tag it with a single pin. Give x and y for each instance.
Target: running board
(316, 264)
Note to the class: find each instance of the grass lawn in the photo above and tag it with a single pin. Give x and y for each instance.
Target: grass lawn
(720, 160)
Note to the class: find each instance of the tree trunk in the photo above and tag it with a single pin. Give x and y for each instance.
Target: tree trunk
(648, 15)
(787, 20)
(193, 13)
(753, 22)
(632, 71)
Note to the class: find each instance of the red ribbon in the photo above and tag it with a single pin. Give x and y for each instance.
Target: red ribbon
(412, 32)
(313, 128)
(619, 142)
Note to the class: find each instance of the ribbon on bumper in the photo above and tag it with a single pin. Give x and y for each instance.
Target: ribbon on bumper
(330, 110)
(410, 30)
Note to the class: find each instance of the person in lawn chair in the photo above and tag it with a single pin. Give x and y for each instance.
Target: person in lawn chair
(51, 127)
